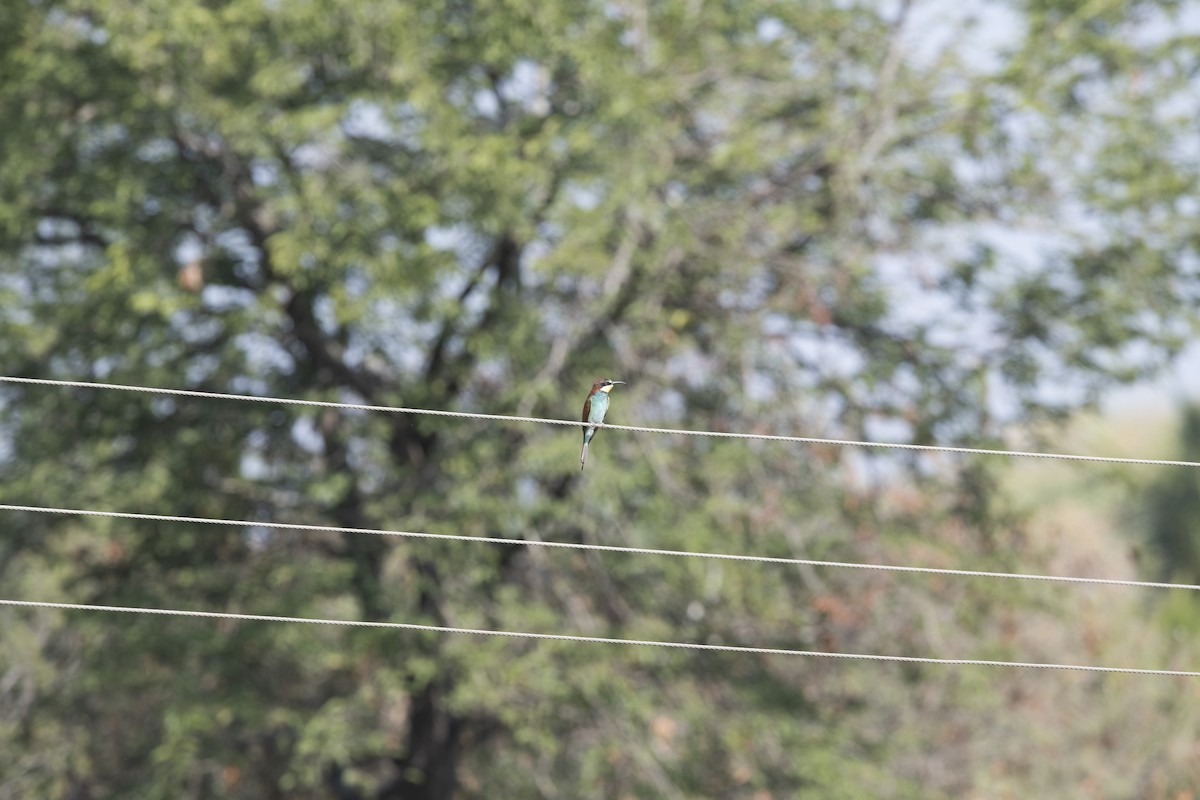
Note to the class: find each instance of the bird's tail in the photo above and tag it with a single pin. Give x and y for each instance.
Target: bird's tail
(583, 456)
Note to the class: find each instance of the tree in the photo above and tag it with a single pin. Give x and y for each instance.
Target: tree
(764, 216)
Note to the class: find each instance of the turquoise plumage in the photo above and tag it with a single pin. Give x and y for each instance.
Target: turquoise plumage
(594, 409)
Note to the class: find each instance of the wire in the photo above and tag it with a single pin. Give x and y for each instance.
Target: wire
(563, 637)
(605, 548)
(574, 423)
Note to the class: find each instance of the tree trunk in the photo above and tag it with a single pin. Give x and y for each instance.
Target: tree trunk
(430, 770)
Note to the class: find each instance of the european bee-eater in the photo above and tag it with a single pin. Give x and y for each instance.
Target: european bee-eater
(594, 409)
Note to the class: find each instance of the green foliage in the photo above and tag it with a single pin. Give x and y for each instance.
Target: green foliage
(793, 218)
(1173, 504)
(1168, 512)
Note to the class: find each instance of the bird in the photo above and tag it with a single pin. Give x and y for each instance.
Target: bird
(594, 409)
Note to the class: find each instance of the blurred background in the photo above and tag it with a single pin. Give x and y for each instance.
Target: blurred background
(953, 223)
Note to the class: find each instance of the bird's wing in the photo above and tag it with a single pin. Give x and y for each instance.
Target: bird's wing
(587, 409)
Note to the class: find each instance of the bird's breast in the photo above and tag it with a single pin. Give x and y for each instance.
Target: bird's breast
(599, 407)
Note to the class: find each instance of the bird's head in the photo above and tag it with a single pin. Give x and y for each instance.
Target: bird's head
(604, 385)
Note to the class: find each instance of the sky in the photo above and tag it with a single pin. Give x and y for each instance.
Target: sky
(1177, 386)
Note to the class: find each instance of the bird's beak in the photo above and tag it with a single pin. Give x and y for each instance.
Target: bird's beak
(616, 382)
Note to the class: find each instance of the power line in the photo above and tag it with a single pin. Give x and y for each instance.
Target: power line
(573, 423)
(604, 548)
(563, 637)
